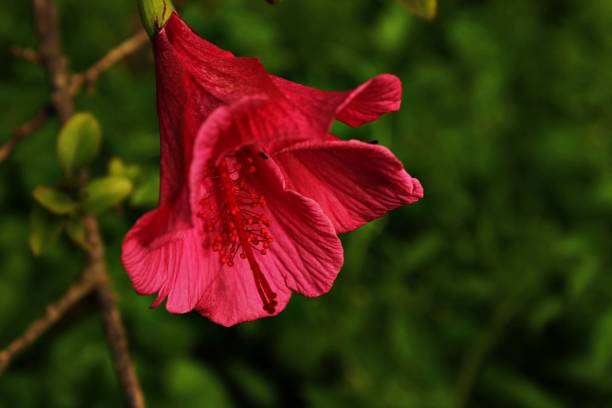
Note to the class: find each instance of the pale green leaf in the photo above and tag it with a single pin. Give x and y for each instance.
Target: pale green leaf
(102, 194)
(116, 167)
(78, 142)
(55, 201)
(44, 230)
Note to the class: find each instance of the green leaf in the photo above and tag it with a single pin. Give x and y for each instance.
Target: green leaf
(102, 194)
(78, 142)
(54, 200)
(426, 9)
(116, 167)
(44, 230)
(75, 229)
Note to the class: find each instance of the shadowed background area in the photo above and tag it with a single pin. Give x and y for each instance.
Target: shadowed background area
(495, 290)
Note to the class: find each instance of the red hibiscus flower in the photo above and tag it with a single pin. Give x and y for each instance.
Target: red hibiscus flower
(254, 189)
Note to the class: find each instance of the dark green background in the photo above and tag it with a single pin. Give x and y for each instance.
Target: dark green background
(496, 287)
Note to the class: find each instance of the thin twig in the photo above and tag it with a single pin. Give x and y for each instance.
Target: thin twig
(118, 53)
(90, 77)
(52, 58)
(27, 54)
(113, 324)
(55, 311)
(23, 131)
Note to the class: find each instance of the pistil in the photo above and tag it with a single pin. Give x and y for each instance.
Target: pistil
(238, 222)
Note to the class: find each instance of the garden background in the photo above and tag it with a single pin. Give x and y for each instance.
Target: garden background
(493, 291)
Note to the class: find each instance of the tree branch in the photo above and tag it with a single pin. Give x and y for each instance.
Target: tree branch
(113, 324)
(23, 131)
(90, 77)
(55, 311)
(63, 102)
(51, 57)
(115, 55)
(26, 54)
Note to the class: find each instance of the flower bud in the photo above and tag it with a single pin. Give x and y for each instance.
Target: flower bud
(155, 14)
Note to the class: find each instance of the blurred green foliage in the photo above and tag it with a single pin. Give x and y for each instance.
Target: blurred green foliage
(423, 8)
(494, 291)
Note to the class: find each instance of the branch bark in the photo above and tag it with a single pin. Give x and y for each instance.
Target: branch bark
(113, 323)
(123, 50)
(26, 54)
(55, 311)
(23, 131)
(51, 57)
(54, 61)
(115, 55)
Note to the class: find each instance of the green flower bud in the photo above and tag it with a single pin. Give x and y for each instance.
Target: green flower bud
(155, 14)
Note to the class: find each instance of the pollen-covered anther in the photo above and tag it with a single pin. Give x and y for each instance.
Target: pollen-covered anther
(234, 215)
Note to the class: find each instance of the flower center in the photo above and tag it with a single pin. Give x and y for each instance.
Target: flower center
(234, 214)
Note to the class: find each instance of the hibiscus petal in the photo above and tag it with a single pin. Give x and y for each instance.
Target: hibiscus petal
(181, 32)
(168, 260)
(352, 181)
(271, 124)
(230, 78)
(364, 104)
(232, 298)
(146, 276)
(305, 255)
(173, 129)
(380, 95)
(306, 251)
(216, 71)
